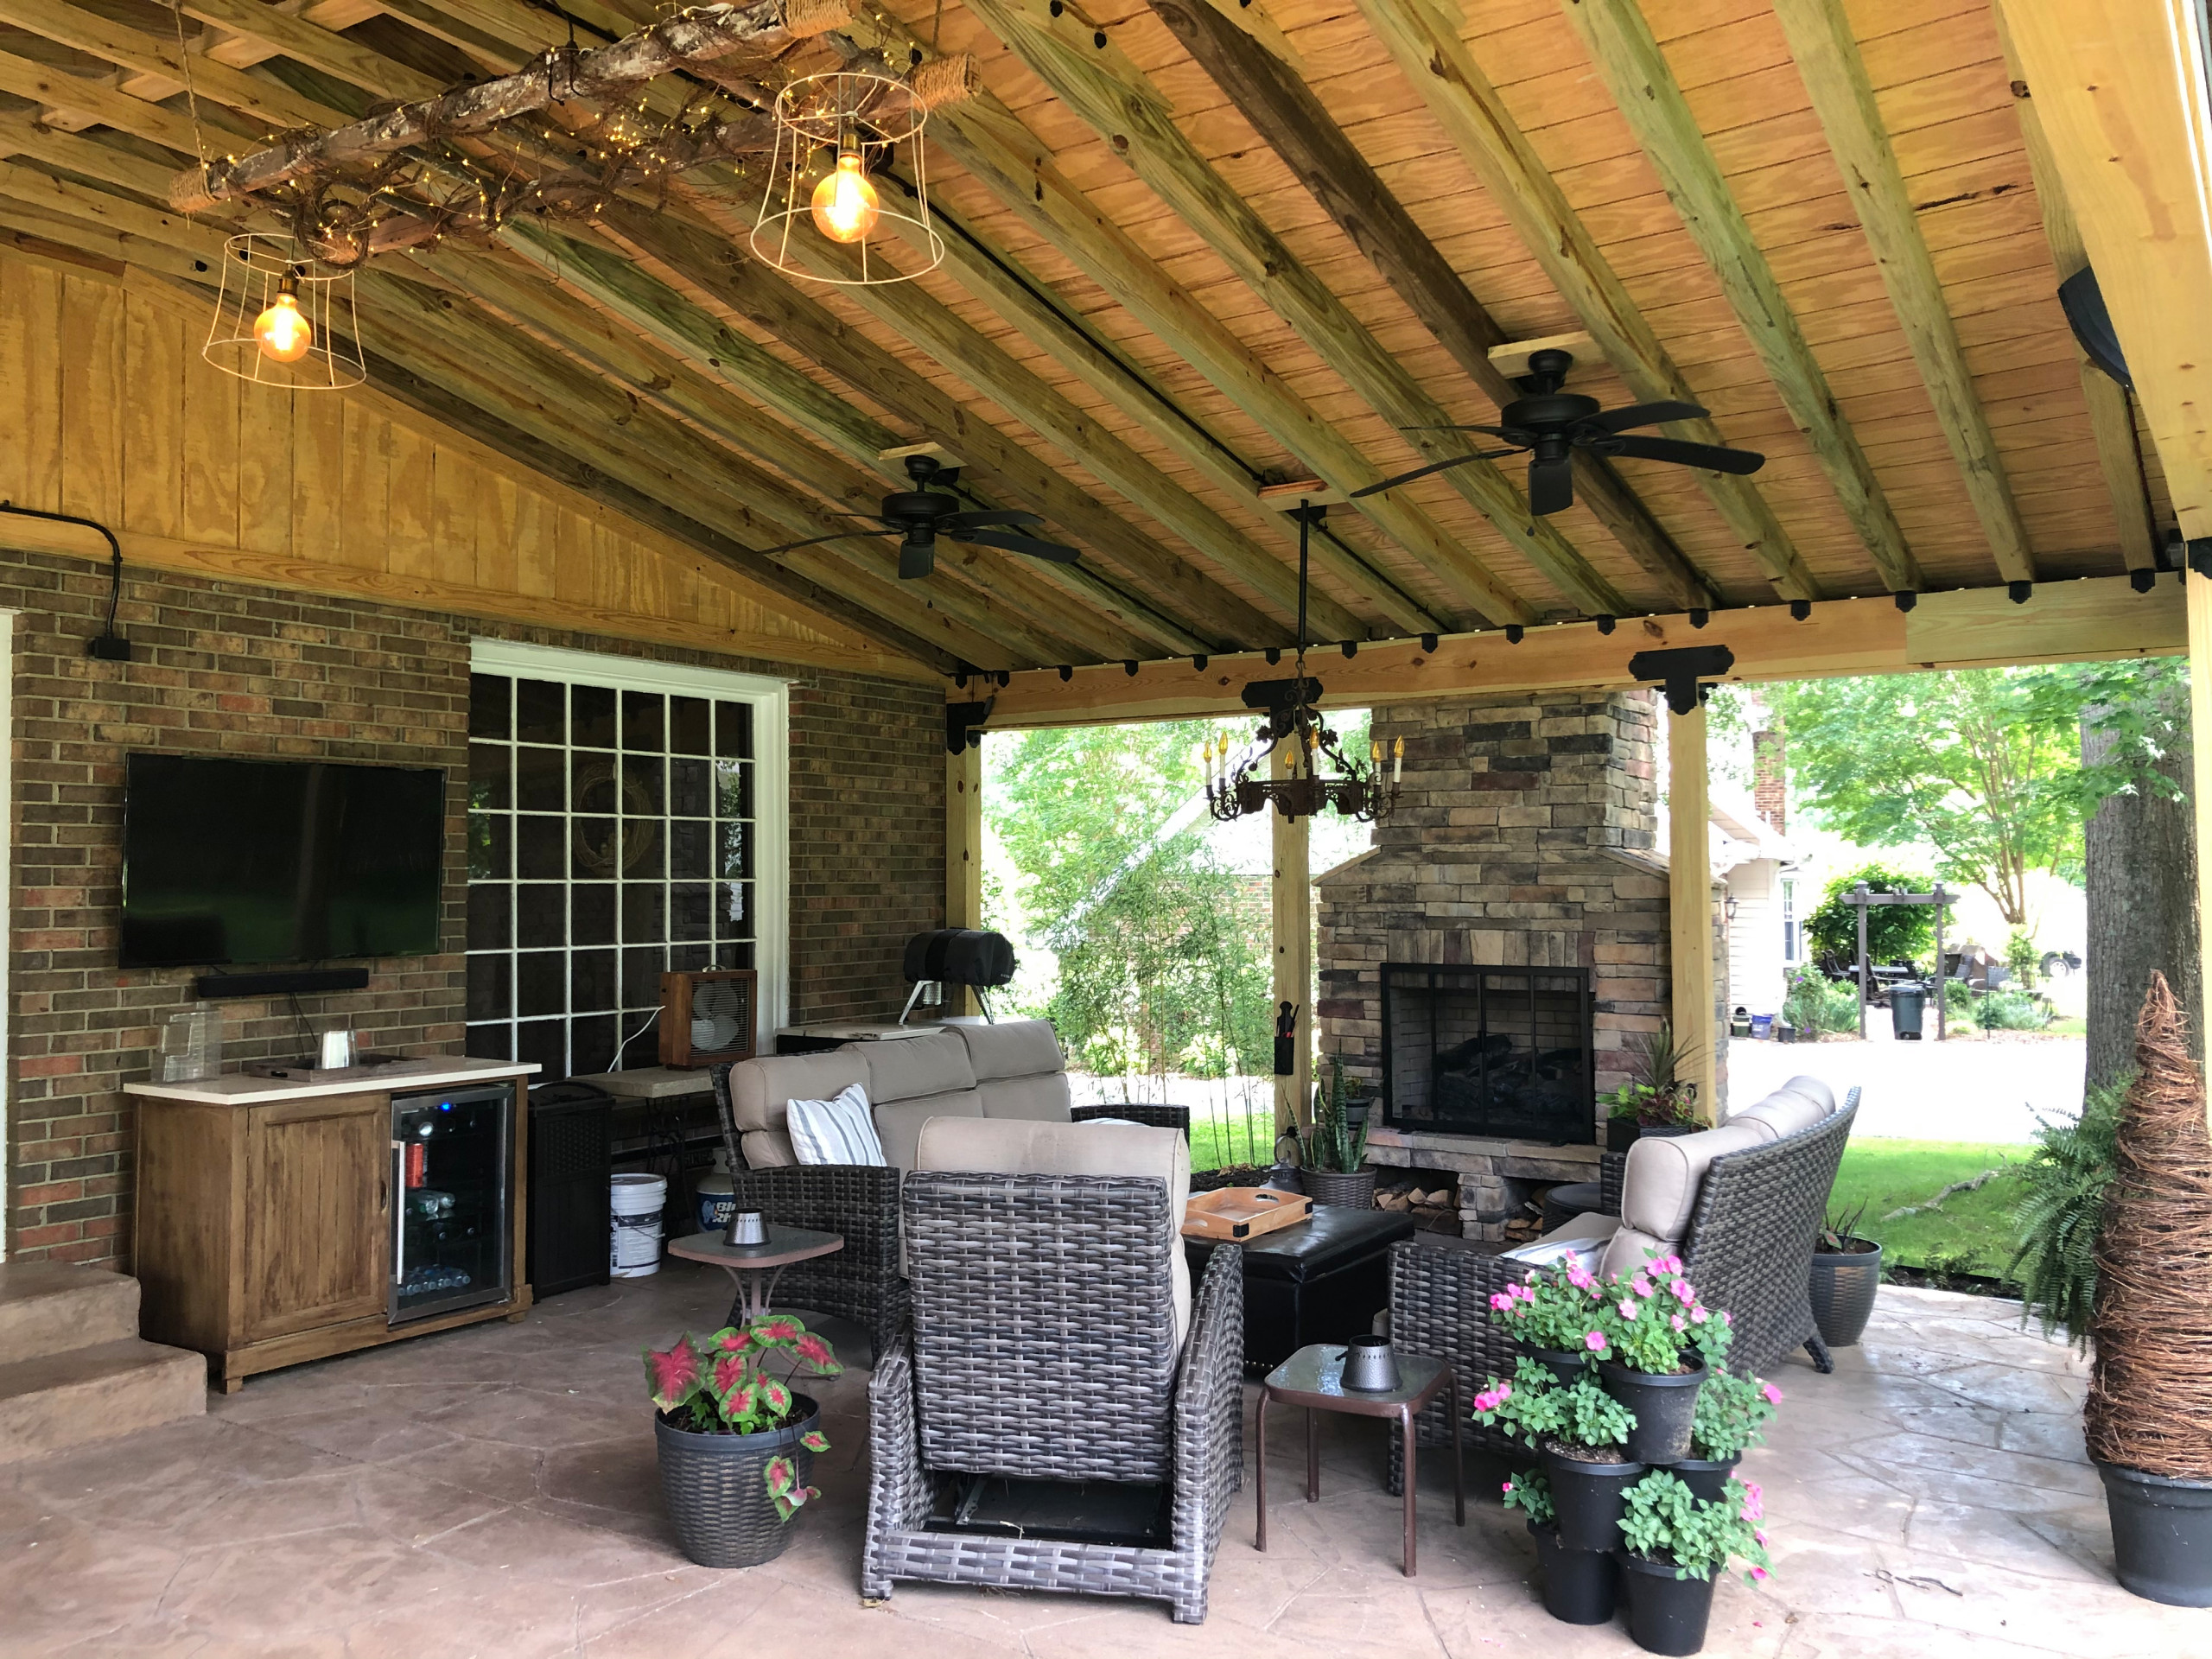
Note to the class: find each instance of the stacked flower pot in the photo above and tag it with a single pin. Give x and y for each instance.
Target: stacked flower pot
(1622, 1391)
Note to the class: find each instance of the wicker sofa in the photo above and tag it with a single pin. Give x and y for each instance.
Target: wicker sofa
(1742, 1204)
(1054, 1336)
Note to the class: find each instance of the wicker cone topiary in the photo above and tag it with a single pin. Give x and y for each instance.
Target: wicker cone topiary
(2150, 1405)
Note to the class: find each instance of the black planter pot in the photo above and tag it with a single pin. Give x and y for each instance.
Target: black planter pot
(1566, 1364)
(1620, 1134)
(1843, 1288)
(716, 1488)
(1588, 1498)
(1665, 1408)
(1578, 1584)
(2161, 1534)
(1340, 1189)
(1706, 1479)
(1665, 1614)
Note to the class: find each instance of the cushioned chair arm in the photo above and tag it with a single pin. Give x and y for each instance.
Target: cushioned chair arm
(1209, 1422)
(899, 1488)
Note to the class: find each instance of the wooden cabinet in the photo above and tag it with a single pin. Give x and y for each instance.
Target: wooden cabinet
(265, 1219)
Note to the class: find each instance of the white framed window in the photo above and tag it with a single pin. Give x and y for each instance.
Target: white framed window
(626, 819)
(1789, 920)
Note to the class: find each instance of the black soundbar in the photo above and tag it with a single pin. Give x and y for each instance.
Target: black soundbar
(295, 981)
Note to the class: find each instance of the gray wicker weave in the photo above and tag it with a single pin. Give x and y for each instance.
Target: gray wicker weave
(1612, 1166)
(1160, 1117)
(861, 1282)
(1749, 1249)
(1043, 1347)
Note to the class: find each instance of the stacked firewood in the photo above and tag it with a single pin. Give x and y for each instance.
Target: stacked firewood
(1435, 1209)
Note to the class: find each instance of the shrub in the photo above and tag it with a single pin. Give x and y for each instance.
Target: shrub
(2057, 1217)
(2023, 958)
(2010, 1011)
(1818, 1003)
(1894, 932)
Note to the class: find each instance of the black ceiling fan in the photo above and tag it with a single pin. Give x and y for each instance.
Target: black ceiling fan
(1549, 424)
(920, 516)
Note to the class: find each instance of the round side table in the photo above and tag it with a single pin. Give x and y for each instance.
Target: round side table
(755, 1268)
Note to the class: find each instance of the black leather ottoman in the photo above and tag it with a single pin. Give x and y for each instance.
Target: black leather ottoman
(1322, 1281)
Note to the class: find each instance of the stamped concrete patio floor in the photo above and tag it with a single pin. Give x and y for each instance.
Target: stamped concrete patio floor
(493, 1492)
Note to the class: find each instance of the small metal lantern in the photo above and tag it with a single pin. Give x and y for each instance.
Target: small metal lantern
(1369, 1366)
(747, 1227)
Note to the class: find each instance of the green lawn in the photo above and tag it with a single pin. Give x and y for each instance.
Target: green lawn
(1972, 1233)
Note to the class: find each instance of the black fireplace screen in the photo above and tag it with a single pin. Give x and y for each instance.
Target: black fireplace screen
(1501, 1052)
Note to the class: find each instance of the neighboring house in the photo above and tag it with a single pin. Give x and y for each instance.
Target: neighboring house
(1765, 905)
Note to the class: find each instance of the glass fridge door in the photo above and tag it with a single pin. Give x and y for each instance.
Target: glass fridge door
(450, 1231)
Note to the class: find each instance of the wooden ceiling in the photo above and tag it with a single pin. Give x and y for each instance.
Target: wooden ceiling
(1194, 251)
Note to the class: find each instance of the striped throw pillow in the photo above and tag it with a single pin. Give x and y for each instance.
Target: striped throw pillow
(837, 1131)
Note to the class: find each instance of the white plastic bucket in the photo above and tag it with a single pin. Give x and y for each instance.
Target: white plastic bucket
(634, 1244)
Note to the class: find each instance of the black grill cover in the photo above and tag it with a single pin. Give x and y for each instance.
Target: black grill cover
(959, 955)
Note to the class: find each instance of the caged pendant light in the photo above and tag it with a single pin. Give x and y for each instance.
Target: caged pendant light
(283, 320)
(833, 132)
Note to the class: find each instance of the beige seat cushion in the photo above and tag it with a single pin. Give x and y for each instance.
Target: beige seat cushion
(1042, 1099)
(1014, 1048)
(758, 1088)
(1017, 1147)
(1629, 1249)
(1783, 1112)
(911, 1068)
(1659, 1187)
(767, 1148)
(898, 1123)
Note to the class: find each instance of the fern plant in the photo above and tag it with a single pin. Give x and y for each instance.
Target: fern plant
(2057, 1217)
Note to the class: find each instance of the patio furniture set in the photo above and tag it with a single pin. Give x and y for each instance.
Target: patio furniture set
(1041, 1326)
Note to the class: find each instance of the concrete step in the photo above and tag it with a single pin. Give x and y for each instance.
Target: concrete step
(48, 1308)
(96, 1393)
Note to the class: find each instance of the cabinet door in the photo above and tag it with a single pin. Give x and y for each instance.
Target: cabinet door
(318, 1192)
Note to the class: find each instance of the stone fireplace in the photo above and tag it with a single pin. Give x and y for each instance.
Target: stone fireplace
(1482, 968)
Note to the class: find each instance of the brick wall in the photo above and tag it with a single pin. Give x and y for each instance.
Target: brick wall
(227, 668)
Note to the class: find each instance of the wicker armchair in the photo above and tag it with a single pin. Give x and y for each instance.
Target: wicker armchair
(861, 1282)
(1749, 1249)
(1160, 1117)
(1043, 1346)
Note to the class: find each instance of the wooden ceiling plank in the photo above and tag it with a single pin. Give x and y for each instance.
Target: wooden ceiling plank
(1293, 120)
(2112, 417)
(1643, 84)
(1122, 107)
(133, 49)
(96, 103)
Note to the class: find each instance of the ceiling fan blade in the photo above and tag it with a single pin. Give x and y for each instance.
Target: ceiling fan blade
(1432, 467)
(816, 541)
(1551, 485)
(1029, 544)
(1711, 456)
(916, 559)
(1013, 519)
(1620, 420)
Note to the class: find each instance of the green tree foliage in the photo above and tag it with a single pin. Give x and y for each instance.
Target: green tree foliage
(1985, 765)
(1894, 932)
(1163, 953)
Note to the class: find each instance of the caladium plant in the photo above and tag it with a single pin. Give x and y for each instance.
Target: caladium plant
(729, 1385)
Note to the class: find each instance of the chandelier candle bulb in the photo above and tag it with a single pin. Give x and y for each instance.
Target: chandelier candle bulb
(1397, 762)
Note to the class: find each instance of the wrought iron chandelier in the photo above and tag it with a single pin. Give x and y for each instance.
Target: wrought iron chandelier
(1294, 716)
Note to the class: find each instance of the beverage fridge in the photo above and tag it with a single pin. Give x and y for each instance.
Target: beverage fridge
(452, 1235)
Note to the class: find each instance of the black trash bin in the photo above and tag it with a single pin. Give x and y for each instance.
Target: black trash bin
(1908, 1002)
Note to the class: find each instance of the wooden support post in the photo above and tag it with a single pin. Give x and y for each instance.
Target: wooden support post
(1689, 887)
(964, 852)
(2199, 591)
(1292, 897)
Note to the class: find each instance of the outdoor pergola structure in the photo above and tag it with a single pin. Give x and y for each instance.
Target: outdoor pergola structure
(1203, 261)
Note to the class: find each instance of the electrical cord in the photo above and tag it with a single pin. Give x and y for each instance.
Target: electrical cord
(107, 643)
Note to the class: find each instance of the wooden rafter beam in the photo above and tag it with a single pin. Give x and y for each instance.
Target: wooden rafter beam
(1119, 103)
(1826, 51)
(2099, 617)
(276, 106)
(1642, 85)
(2111, 415)
(1436, 62)
(1286, 113)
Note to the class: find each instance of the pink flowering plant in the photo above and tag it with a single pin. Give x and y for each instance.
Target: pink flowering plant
(1536, 1408)
(1651, 1320)
(729, 1385)
(1665, 1521)
(1554, 1307)
(1531, 1493)
(1733, 1413)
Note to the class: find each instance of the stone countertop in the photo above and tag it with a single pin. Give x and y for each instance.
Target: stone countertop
(431, 1071)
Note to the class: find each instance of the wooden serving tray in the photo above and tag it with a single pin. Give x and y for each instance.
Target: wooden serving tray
(1243, 1212)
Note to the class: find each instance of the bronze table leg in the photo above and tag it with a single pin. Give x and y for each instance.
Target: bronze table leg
(1405, 1431)
(1260, 1482)
(1459, 1468)
(1312, 1457)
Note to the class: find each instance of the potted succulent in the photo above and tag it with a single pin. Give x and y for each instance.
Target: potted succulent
(1673, 1543)
(1733, 1413)
(1550, 1315)
(1656, 1338)
(1334, 1151)
(1577, 1583)
(1846, 1272)
(737, 1442)
(1578, 1430)
(1656, 1100)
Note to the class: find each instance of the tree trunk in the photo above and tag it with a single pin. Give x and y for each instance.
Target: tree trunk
(2139, 852)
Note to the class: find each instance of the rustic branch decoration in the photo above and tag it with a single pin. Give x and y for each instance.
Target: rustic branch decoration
(2150, 1406)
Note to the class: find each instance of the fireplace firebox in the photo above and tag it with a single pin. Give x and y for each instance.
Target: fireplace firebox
(1503, 1052)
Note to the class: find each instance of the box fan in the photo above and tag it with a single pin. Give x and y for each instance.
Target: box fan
(708, 1017)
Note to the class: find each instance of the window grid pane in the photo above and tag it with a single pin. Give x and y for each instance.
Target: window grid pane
(610, 840)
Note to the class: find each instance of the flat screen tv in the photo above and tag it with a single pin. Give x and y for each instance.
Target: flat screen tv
(278, 861)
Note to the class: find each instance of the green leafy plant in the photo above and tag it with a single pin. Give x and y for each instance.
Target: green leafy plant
(2010, 1011)
(1554, 1307)
(1815, 1002)
(2022, 956)
(2059, 1211)
(1534, 1407)
(1664, 1521)
(1657, 1095)
(1530, 1492)
(1335, 1142)
(1733, 1413)
(727, 1386)
(1894, 932)
(1840, 1227)
(1652, 1321)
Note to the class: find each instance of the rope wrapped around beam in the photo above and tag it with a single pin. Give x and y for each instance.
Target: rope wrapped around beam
(696, 37)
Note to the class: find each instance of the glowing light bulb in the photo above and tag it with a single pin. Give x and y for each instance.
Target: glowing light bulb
(282, 333)
(845, 203)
